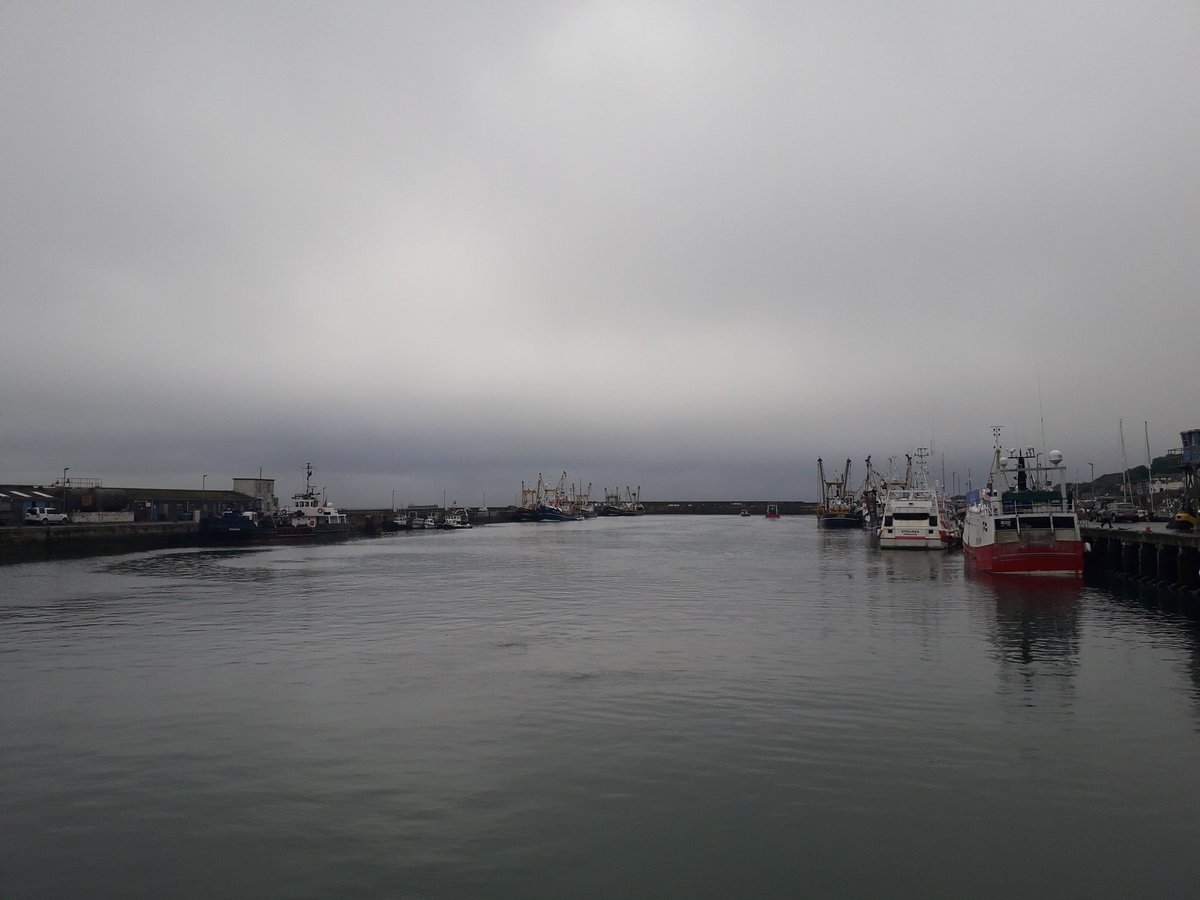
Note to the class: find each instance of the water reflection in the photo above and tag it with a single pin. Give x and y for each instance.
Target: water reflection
(1036, 634)
(1176, 612)
(918, 565)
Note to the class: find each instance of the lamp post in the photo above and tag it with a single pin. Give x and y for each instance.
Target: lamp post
(66, 469)
(1092, 466)
(393, 499)
(203, 479)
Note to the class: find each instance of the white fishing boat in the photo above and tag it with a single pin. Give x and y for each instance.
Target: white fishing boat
(1024, 522)
(456, 520)
(423, 519)
(310, 515)
(915, 514)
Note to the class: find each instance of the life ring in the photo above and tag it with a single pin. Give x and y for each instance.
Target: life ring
(312, 523)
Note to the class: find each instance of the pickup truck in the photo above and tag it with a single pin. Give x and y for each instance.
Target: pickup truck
(46, 515)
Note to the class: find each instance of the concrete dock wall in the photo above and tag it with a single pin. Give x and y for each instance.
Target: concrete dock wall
(1161, 557)
(31, 542)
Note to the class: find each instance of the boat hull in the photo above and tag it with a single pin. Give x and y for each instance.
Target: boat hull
(553, 514)
(1061, 558)
(235, 533)
(317, 533)
(835, 520)
(914, 542)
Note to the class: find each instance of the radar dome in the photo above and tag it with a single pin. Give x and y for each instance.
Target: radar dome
(1056, 457)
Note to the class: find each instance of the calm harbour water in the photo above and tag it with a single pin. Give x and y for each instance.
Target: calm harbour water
(660, 707)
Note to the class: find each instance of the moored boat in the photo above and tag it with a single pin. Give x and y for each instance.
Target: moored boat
(456, 520)
(548, 512)
(838, 506)
(916, 516)
(616, 505)
(236, 527)
(544, 503)
(310, 515)
(422, 519)
(1024, 521)
(772, 510)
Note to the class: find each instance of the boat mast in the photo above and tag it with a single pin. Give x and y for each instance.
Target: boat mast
(1149, 466)
(1124, 462)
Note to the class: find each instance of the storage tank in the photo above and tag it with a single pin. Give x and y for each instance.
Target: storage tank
(103, 500)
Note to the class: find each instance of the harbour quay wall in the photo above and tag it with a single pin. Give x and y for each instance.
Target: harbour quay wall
(1166, 558)
(31, 542)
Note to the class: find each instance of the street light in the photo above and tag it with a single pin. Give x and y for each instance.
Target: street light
(203, 479)
(1092, 466)
(66, 469)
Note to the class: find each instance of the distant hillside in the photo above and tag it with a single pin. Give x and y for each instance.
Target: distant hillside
(1163, 466)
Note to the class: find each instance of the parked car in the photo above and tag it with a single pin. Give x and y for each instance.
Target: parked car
(46, 515)
(1124, 512)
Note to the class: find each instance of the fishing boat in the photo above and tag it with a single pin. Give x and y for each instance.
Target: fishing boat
(1023, 522)
(838, 507)
(916, 516)
(550, 512)
(310, 515)
(555, 504)
(745, 513)
(544, 503)
(456, 521)
(423, 519)
(236, 526)
(616, 505)
(772, 511)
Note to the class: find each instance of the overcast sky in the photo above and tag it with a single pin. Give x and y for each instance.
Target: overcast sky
(442, 246)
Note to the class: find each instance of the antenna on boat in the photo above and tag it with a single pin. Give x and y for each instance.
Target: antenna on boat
(1041, 410)
(996, 459)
